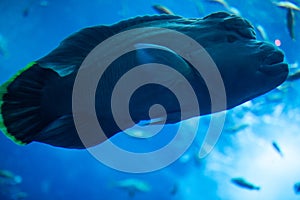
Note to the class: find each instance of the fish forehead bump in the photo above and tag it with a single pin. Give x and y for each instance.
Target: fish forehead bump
(208, 29)
(227, 19)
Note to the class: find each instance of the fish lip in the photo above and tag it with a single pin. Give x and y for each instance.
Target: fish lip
(275, 69)
(274, 57)
(273, 64)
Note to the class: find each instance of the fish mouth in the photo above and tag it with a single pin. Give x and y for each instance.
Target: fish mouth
(274, 65)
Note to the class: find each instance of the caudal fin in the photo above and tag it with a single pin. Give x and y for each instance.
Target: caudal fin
(20, 102)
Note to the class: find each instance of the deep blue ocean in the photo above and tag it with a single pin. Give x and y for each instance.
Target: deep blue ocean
(29, 29)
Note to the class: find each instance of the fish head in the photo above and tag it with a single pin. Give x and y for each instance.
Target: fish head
(248, 67)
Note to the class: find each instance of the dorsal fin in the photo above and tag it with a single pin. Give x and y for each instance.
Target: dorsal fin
(71, 52)
(142, 19)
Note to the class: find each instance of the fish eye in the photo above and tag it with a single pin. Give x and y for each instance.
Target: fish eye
(231, 38)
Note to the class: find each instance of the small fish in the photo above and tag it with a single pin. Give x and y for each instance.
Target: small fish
(234, 10)
(133, 186)
(174, 189)
(295, 76)
(25, 12)
(3, 46)
(297, 188)
(294, 65)
(237, 127)
(227, 7)
(262, 32)
(275, 96)
(287, 4)
(222, 2)
(9, 177)
(244, 184)
(162, 9)
(44, 3)
(290, 18)
(277, 148)
(20, 195)
(199, 6)
(2, 51)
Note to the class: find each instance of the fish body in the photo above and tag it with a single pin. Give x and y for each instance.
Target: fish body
(244, 184)
(36, 103)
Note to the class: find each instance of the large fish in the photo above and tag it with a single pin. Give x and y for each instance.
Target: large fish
(36, 104)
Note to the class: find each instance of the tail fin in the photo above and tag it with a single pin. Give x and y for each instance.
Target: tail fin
(20, 116)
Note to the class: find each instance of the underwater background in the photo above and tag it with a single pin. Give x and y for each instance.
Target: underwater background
(260, 141)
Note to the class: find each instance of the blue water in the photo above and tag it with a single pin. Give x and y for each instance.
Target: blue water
(55, 173)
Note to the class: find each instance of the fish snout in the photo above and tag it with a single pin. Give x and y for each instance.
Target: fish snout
(274, 57)
(273, 63)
